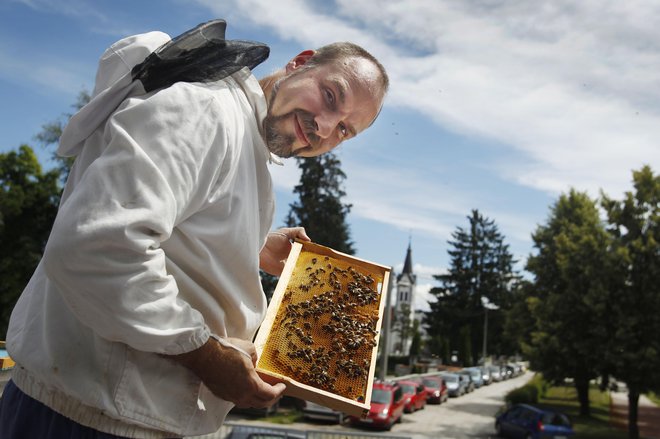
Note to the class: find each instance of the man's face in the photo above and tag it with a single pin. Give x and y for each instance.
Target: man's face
(313, 110)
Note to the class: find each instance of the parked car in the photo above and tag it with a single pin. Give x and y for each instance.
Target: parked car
(516, 369)
(529, 422)
(477, 376)
(485, 374)
(436, 389)
(495, 373)
(414, 395)
(318, 412)
(466, 377)
(510, 370)
(251, 432)
(455, 386)
(386, 406)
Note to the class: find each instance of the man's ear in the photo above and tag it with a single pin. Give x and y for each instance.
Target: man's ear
(299, 60)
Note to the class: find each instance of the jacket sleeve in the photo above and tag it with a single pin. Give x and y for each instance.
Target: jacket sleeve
(162, 157)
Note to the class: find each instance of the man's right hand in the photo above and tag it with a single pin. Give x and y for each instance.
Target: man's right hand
(230, 374)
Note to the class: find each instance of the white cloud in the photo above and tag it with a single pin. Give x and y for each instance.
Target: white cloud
(571, 86)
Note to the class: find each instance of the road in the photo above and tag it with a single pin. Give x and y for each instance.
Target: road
(470, 416)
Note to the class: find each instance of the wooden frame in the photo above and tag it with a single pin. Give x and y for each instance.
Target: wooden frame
(305, 391)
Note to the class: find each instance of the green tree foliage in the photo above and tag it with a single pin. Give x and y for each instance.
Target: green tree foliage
(519, 323)
(416, 343)
(28, 204)
(569, 299)
(402, 324)
(481, 270)
(319, 208)
(635, 311)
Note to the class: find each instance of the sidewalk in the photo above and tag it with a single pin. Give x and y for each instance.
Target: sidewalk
(648, 415)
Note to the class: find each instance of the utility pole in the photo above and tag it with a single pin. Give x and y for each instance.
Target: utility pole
(385, 329)
(485, 333)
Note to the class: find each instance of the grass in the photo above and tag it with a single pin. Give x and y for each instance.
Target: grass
(595, 426)
(654, 397)
(284, 416)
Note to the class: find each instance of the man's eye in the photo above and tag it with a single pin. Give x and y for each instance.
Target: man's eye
(330, 97)
(343, 130)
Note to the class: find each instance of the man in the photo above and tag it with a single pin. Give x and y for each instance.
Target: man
(138, 320)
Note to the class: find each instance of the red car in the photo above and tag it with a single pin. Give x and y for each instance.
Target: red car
(436, 389)
(387, 405)
(414, 395)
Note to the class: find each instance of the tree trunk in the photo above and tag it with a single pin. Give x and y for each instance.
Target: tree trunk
(633, 404)
(582, 388)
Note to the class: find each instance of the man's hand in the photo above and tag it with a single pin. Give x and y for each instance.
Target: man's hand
(230, 374)
(277, 248)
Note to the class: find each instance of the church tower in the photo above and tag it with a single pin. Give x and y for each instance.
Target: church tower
(403, 312)
(405, 283)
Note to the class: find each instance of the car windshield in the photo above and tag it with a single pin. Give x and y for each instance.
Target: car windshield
(381, 396)
(451, 378)
(432, 383)
(408, 388)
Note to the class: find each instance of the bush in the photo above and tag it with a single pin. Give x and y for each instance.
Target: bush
(541, 385)
(527, 394)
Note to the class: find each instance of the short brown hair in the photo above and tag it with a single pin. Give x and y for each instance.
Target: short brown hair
(342, 50)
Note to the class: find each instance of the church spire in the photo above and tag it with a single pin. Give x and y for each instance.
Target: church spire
(407, 265)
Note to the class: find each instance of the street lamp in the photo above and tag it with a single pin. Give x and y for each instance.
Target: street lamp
(487, 305)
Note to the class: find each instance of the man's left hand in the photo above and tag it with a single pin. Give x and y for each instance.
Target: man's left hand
(277, 248)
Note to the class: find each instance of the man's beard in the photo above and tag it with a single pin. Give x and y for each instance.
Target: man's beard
(281, 144)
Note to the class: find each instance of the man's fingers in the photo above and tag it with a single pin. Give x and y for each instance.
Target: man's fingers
(265, 396)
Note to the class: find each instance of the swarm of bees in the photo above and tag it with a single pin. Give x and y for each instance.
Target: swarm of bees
(325, 329)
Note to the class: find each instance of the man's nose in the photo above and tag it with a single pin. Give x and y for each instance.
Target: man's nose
(325, 124)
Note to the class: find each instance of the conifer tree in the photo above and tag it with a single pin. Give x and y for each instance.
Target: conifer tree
(480, 272)
(319, 208)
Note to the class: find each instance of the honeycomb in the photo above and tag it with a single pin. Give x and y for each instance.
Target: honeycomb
(324, 332)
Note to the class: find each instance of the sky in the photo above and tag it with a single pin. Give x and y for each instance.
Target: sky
(499, 106)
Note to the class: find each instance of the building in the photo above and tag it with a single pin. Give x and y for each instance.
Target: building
(402, 312)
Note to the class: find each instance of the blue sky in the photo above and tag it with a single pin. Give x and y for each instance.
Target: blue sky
(499, 106)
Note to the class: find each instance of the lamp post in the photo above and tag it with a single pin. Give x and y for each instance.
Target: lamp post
(487, 305)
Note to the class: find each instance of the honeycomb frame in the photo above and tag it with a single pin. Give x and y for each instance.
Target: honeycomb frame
(321, 331)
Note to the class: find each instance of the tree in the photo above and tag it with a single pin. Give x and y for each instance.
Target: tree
(635, 312)
(319, 208)
(416, 343)
(28, 204)
(570, 294)
(402, 324)
(519, 324)
(481, 270)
